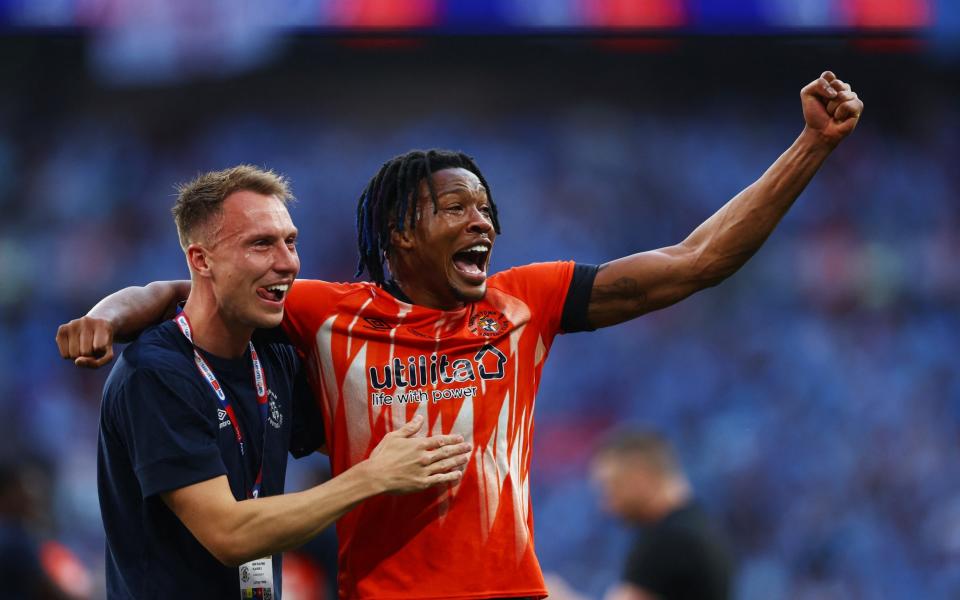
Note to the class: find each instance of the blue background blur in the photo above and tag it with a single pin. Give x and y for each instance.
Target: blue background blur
(814, 397)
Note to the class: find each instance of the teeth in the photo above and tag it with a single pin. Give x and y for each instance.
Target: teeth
(279, 288)
(477, 248)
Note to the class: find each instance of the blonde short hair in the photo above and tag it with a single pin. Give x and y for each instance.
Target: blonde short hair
(201, 199)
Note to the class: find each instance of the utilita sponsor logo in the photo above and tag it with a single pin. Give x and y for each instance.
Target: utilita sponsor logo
(488, 363)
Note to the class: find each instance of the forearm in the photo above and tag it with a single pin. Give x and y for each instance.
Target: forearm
(278, 523)
(133, 309)
(725, 241)
(633, 285)
(235, 532)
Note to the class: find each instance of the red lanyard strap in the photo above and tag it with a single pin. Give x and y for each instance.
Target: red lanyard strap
(259, 385)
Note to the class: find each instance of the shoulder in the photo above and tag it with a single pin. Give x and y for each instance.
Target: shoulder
(158, 358)
(539, 289)
(306, 291)
(534, 272)
(310, 301)
(687, 530)
(160, 346)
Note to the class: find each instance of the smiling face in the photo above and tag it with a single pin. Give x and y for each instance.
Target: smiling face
(251, 259)
(442, 263)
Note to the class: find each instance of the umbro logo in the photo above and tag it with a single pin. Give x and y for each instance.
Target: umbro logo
(377, 324)
(224, 421)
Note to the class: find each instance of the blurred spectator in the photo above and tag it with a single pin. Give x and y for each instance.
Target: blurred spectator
(679, 554)
(31, 568)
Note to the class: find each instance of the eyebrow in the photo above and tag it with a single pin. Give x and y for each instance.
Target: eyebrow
(258, 235)
(459, 189)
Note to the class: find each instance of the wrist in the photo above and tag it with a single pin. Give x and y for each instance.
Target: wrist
(108, 317)
(815, 141)
(368, 477)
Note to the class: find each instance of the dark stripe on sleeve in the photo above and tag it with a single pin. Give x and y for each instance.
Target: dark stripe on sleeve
(574, 316)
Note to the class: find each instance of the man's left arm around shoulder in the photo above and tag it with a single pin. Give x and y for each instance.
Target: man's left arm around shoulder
(634, 285)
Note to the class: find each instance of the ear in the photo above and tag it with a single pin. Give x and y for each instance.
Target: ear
(402, 240)
(198, 260)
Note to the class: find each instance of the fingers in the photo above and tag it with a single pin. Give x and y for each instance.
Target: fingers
(446, 452)
(448, 464)
(88, 341)
(410, 428)
(439, 441)
(826, 86)
(849, 110)
(840, 86)
(63, 342)
(73, 343)
(846, 105)
(830, 106)
(842, 97)
(407, 464)
(102, 342)
(820, 87)
(444, 478)
(88, 362)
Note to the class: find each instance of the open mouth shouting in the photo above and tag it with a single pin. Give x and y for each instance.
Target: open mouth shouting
(274, 293)
(471, 262)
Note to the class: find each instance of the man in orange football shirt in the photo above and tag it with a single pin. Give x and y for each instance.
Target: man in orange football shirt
(432, 335)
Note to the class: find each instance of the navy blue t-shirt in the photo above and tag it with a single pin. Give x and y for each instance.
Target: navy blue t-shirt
(161, 429)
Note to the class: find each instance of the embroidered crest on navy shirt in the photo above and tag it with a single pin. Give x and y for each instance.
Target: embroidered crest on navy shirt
(276, 417)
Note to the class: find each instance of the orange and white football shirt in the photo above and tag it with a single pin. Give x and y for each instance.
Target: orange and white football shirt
(377, 361)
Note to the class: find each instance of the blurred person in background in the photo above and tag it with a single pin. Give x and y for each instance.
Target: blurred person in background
(199, 413)
(32, 568)
(678, 553)
(422, 340)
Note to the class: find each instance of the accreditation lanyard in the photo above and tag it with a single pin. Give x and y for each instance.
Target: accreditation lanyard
(259, 384)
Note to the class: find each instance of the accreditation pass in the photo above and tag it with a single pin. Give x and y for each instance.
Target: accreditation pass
(256, 579)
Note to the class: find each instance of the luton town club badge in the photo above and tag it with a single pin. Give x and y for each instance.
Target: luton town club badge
(488, 323)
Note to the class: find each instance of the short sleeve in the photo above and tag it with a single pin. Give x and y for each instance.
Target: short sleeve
(307, 434)
(541, 286)
(575, 305)
(169, 430)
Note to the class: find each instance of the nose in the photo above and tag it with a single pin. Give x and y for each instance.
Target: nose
(480, 222)
(286, 260)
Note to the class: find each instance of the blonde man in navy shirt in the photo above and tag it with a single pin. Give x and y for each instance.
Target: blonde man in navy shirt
(199, 413)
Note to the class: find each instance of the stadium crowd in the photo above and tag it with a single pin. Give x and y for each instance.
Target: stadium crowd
(814, 397)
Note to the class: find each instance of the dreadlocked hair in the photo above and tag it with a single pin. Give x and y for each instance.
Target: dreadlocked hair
(390, 200)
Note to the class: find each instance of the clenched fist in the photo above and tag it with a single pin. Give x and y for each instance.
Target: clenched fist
(830, 107)
(87, 341)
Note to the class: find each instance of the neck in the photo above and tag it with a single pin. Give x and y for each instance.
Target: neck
(211, 330)
(421, 294)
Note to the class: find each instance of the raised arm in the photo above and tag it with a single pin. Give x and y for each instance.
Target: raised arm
(235, 532)
(629, 287)
(88, 341)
